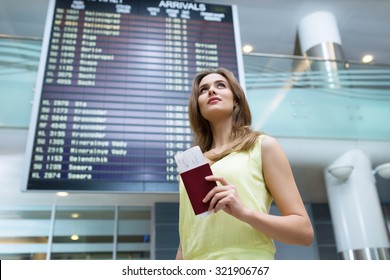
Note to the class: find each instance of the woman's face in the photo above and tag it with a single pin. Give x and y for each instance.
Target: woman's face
(215, 100)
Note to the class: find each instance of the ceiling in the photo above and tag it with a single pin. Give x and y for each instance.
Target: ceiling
(269, 25)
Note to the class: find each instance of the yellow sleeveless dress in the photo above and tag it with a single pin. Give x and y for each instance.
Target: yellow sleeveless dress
(220, 236)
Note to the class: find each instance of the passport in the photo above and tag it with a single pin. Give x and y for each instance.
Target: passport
(193, 169)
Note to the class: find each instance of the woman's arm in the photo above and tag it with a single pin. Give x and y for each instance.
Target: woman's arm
(294, 226)
(179, 255)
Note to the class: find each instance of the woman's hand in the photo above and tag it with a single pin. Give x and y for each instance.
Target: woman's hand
(224, 197)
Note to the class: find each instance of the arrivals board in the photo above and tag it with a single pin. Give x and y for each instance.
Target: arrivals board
(110, 110)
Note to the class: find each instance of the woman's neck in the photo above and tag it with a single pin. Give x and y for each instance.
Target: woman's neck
(221, 134)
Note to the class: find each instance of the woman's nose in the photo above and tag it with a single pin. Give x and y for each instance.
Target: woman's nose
(211, 91)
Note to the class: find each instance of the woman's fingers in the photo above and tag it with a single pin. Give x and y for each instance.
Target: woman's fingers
(218, 194)
(217, 179)
(215, 189)
(221, 200)
(223, 196)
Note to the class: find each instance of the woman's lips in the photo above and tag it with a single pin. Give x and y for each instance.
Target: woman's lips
(213, 100)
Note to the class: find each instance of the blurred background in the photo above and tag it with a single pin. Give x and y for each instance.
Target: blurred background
(318, 107)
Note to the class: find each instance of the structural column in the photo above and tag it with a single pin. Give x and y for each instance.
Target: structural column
(358, 222)
(319, 37)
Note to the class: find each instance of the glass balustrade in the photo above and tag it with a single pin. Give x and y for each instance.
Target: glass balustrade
(289, 96)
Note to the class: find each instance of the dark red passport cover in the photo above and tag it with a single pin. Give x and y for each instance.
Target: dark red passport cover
(197, 187)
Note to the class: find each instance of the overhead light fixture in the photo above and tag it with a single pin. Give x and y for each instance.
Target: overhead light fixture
(383, 170)
(341, 172)
(367, 58)
(74, 237)
(62, 194)
(247, 49)
(75, 215)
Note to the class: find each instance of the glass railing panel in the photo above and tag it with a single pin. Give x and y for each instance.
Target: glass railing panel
(18, 70)
(289, 96)
(24, 232)
(293, 100)
(83, 233)
(134, 229)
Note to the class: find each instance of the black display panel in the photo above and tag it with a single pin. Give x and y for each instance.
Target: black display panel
(113, 84)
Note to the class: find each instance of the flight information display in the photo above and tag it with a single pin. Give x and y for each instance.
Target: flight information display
(110, 110)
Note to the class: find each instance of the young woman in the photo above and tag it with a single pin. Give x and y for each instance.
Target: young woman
(251, 170)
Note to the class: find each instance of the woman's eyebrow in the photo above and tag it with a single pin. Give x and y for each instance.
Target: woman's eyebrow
(214, 82)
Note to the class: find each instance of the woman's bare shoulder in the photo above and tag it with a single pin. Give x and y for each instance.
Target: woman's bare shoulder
(271, 149)
(269, 143)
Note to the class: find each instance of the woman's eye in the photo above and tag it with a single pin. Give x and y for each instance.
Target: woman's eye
(203, 90)
(221, 85)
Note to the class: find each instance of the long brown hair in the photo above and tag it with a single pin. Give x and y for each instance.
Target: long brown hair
(242, 136)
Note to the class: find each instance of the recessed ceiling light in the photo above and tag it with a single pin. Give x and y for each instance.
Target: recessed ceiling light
(62, 194)
(75, 215)
(367, 58)
(247, 49)
(74, 237)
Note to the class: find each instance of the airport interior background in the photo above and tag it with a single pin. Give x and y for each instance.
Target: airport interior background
(319, 108)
